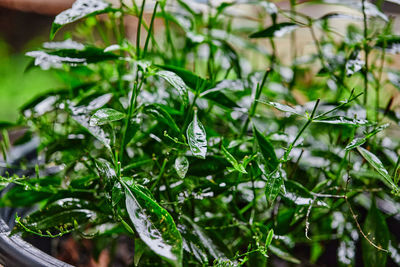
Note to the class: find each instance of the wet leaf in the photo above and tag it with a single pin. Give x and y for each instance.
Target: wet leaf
(154, 225)
(196, 135)
(359, 141)
(181, 166)
(232, 160)
(297, 195)
(338, 16)
(390, 43)
(283, 254)
(105, 115)
(267, 150)
(277, 30)
(63, 212)
(162, 115)
(205, 240)
(282, 107)
(274, 184)
(84, 120)
(355, 143)
(377, 231)
(339, 120)
(269, 238)
(67, 44)
(72, 57)
(80, 9)
(353, 66)
(377, 165)
(190, 79)
(219, 98)
(176, 82)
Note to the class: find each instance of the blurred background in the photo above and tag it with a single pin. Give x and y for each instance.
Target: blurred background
(25, 24)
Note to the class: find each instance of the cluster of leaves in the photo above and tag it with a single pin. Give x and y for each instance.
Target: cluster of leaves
(180, 141)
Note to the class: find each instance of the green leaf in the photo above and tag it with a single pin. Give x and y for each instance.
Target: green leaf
(96, 131)
(338, 16)
(219, 98)
(176, 82)
(274, 184)
(154, 225)
(267, 150)
(162, 115)
(339, 120)
(191, 79)
(205, 240)
(80, 9)
(277, 30)
(377, 165)
(105, 115)
(63, 213)
(353, 66)
(356, 142)
(72, 57)
(181, 166)
(233, 161)
(283, 254)
(269, 238)
(389, 43)
(297, 195)
(377, 231)
(282, 107)
(196, 135)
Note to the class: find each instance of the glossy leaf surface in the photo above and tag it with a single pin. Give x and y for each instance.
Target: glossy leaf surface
(154, 225)
(196, 135)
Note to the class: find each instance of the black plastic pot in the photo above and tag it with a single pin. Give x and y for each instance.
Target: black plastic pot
(14, 251)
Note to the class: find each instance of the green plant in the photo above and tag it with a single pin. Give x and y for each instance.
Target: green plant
(172, 141)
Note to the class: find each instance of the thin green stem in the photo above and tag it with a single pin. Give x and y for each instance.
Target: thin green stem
(366, 51)
(310, 119)
(149, 32)
(139, 29)
(253, 107)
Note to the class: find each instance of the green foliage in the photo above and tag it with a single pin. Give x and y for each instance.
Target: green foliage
(205, 147)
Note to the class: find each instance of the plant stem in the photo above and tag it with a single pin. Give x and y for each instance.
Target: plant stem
(139, 29)
(149, 32)
(253, 107)
(310, 119)
(366, 51)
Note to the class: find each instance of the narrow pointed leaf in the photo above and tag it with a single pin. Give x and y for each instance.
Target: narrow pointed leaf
(232, 160)
(274, 184)
(267, 150)
(96, 131)
(282, 107)
(355, 143)
(277, 30)
(297, 195)
(196, 135)
(284, 254)
(190, 79)
(80, 9)
(377, 231)
(377, 165)
(339, 120)
(162, 115)
(270, 236)
(176, 82)
(106, 115)
(154, 225)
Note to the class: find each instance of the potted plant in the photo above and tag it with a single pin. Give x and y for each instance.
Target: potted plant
(202, 147)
